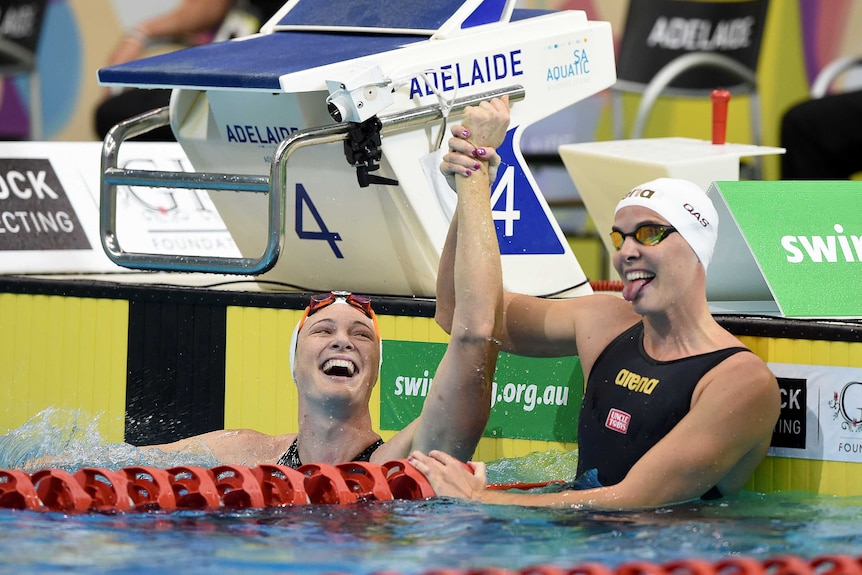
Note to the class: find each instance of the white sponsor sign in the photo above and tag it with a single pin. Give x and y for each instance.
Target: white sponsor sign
(49, 209)
(821, 412)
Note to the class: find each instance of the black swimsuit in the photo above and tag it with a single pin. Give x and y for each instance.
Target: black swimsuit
(632, 401)
(290, 458)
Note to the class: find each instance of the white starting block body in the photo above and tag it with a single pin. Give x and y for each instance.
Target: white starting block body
(235, 103)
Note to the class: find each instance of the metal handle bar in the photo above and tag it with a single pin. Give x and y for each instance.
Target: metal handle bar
(274, 184)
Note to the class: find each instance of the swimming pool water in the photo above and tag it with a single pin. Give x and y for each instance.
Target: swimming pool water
(404, 536)
(416, 536)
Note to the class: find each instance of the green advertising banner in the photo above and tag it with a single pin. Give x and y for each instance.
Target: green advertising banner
(532, 398)
(806, 238)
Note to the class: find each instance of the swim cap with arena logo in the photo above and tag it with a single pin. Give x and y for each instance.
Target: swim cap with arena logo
(685, 206)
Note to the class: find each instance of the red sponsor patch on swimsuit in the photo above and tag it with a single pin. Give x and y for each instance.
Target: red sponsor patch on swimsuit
(618, 420)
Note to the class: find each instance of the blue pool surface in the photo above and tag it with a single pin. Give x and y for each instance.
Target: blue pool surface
(403, 536)
(416, 536)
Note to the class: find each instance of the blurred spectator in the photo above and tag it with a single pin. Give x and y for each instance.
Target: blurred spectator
(823, 138)
(191, 22)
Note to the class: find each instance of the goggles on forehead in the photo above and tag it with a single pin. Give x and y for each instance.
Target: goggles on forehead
(646, 235)
(322, 300)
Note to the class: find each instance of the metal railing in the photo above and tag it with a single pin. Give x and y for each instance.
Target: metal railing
(273, 185)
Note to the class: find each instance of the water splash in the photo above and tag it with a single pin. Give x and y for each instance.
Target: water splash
(535, 467)
(70, 439)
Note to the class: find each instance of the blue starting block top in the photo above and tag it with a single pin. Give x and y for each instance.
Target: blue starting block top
(255, 63)
(417, 16)
(258, 62)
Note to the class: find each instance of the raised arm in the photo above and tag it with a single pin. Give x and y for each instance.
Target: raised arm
(488, 135)
(470, 141)
(456, 409)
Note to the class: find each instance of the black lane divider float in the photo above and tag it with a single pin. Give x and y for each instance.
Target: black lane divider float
(190, 487)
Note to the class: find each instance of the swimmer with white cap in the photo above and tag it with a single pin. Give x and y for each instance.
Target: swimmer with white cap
(676, 408)
(683, 208)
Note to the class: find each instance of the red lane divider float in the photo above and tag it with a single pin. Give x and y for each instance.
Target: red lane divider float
(784, 565)
(58, 490)
(190, 487)
(17, 491)
(150, 488)
(405, 481)
(238, 486)
(107, 489)
(606, 285)
(194, 487)
(281, 486)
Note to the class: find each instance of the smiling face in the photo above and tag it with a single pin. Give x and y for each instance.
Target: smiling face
(337, 356)
(658, 276)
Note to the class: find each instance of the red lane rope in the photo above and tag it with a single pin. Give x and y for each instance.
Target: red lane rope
(784, 565)
(606, 285)
(235, 486)
(189, 487)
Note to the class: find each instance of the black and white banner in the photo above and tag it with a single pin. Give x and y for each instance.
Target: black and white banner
(35, 211)
(821, 412)
(49, 209)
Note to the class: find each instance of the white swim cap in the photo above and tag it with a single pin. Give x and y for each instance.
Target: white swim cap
(685, 206)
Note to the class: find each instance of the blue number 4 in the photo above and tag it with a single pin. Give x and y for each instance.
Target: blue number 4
(322, 233)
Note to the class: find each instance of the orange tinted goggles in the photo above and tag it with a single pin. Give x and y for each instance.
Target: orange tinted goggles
(322, 300)
(645, 235)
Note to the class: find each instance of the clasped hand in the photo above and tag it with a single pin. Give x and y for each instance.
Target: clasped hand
(476, 139)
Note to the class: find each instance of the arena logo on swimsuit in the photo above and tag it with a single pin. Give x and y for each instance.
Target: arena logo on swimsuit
(635, 382)
(459, 75)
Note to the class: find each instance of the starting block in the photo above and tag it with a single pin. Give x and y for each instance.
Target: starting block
(309, 138)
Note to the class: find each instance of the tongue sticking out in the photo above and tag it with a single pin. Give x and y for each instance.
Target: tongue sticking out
(633, 288)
